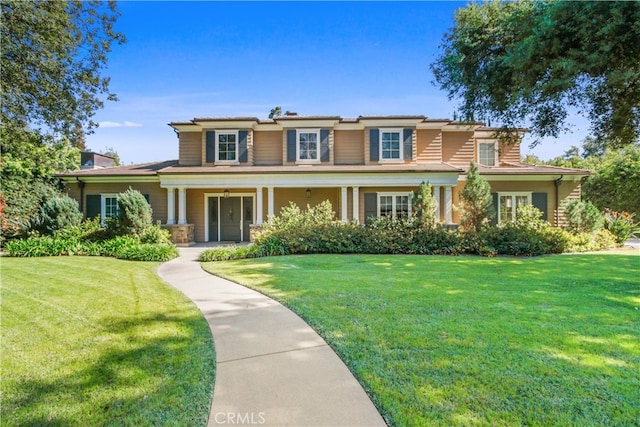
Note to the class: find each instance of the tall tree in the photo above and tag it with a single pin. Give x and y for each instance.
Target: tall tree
(527, 63)
(52, 57)
(53, 53)
(616, 180)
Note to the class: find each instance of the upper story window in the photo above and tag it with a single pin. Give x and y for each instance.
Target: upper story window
(227, 146)
(394, 205)
(487, 154)
(307, 145)
(390, 144)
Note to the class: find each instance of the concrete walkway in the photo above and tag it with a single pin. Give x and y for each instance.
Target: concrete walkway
(272, 369)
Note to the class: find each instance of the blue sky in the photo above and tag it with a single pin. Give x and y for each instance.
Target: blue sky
(202, 59)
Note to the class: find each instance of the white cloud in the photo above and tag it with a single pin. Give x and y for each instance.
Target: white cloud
(125, 124)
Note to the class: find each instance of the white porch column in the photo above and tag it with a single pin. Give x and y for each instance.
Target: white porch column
(448, 205)
(436, 195)
(259, 206)
(171, 206)
(270, 202)
(343, 204)
(356, 203)
(182, 205)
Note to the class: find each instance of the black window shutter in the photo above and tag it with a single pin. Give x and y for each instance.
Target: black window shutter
(243, 154)
(539, 200)
(93, 205)
(324, 145)
(146, 197)
(370, 206)
(494, 220)
(374, 144)
(408, 143)
(291, 145)
(211, 146)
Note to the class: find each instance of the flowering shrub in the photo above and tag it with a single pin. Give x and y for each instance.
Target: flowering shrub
(620, 224)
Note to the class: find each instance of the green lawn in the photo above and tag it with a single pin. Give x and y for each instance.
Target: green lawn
(473, 341)
(100, 341)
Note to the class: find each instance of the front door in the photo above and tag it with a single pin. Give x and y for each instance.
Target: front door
(231, 219)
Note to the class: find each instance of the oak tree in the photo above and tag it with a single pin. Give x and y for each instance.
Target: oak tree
(526, 63)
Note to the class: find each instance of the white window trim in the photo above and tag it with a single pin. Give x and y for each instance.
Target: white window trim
(495, 153)
(393, 205)
(103, 205)
(513, 195)
(217, 150)
(400, 132)
(318, 149)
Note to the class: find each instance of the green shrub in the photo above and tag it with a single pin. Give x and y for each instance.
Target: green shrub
(134, 213)
(155, 234)
(271, 245)
(528, 235)
(588, 242)
(620, 224)
(57, 213)
(582, 217)
(147, 252)
(226, 253)
(125, 247)
(40, 246)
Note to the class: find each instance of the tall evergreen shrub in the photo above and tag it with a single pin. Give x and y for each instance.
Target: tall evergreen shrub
(424, 206)
(135, 212)
(57, 213)
(476, 202)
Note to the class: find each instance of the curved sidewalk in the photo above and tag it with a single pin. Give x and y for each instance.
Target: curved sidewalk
(272, 369)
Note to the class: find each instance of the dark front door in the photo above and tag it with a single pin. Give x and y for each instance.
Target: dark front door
(231, 219)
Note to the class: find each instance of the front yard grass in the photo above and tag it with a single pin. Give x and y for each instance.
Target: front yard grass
(552, 340)
(100, 341)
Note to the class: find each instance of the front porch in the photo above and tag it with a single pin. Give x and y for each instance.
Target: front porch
(232, 214)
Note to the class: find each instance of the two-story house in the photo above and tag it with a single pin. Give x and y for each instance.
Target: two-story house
(235, 172)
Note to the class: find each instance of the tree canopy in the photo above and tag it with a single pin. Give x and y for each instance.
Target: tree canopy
(53, 53)
(52, 59)
(526, 63)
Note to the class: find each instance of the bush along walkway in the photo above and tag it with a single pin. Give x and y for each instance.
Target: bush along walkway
(272, 369)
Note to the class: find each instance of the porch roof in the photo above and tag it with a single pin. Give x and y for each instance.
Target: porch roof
(280, 169)
(506, 168)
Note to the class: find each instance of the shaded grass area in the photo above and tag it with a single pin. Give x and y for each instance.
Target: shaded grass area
(100, 341)
(464, 340)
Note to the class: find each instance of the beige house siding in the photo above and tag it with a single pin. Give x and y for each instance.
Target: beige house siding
(190, 152)
(268, 148)
(349, 147)
(157, 195)
(458, 148)
(568, 190)
(509, 153)
(195, 211)
(282, 197)
(429, 145)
